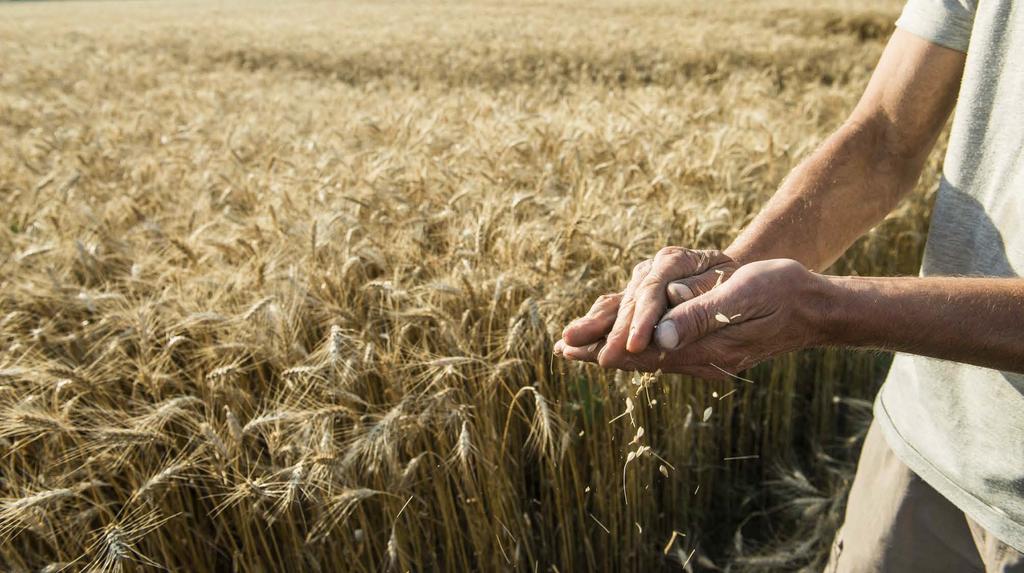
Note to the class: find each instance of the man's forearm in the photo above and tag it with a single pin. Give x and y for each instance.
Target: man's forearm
(977, 321)
(837, 194)
(860, 173)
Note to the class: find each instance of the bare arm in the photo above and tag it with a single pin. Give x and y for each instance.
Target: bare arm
(775, 306)
(862, 170)
(971, 320)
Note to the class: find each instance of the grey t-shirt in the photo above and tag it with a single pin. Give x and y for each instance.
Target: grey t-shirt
(960, 427)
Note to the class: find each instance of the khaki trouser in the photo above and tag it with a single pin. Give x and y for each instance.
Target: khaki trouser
(895, 522)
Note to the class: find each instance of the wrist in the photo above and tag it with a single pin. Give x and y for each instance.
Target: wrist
(846, 305)
(829, 302)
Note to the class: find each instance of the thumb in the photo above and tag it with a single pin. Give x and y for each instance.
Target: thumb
(696, 318)
(682, 290)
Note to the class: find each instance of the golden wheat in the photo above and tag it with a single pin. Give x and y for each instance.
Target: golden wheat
(277, 280)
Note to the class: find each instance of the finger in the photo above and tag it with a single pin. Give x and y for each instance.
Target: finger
(596, 324)
(682, 290)
(617, 336)
(651, 299)
(706, 359)
(559, 348)
(586, 353)
(649, 360)
(697, 318)
(652, 360)
(679, 292)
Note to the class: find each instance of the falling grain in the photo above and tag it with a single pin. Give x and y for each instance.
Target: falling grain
(671, 541)
(606, 530)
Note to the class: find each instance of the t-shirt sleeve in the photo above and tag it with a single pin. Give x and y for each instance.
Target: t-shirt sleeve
(944, 22)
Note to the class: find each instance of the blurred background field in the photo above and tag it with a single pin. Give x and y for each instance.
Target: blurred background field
(279, 283)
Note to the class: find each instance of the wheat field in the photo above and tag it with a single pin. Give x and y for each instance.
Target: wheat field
(279, 283)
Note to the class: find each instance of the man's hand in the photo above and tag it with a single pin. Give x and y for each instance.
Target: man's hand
(766, 308)
(626, 320)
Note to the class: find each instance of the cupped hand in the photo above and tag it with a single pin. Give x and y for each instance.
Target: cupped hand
(766, 308)
(624, 322)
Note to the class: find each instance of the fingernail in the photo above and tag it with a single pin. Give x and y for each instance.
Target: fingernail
(567, 328)
(666, 335)
(592, 347)
(681, 291)
(558, 348)
(632, 335)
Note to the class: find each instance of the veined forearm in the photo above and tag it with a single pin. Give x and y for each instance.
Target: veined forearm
(838, 193)
(977, 321)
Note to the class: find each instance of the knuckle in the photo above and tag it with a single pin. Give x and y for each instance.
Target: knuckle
(717, 257)
(606, 358)
(626, 305)
(677, 256)
(642, 267)
(669, 252)
(703, 260)
(651, 281)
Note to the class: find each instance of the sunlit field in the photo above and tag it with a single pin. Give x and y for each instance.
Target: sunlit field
(279, 283)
